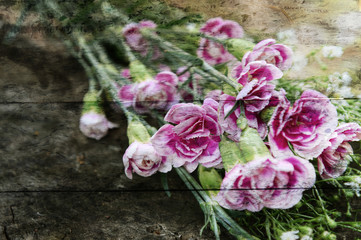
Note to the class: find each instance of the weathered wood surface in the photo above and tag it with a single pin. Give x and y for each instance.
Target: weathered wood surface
(54, 182)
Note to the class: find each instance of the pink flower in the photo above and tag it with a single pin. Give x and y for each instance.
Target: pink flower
(194, 138)
(160, 93)
(126, 73)
(276, 54)
(264, 182)
(307, 126)
(270, 99)
(211, 51)
(332, 163)
(142, 159)
(229, 124)
(95, 125)
(136, 41)
(260, 70)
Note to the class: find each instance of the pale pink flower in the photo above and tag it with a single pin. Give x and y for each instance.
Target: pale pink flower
(159, 94)
(276, 54)
(211, 51)
(194, 138)
(307, 126)
(332, 163)
(142, 159)
(95, 125)
(266, 182)
(137, 42)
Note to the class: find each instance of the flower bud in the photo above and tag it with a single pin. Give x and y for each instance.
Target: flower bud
(230, 152)
(267, 113)
(137, 132)
(328, 236)
(238, 47)
(331, 223)
(139, 72)
(93, 122)
(242, 122)
(252, 146)
(209, 179)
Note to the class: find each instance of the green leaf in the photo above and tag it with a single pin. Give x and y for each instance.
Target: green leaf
(164, 181)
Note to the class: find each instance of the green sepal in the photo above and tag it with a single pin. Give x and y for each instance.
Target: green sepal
(139, 72)
(238, 47)
(137, 132)
(230, 152)
(209, 179)
(242, 122)
(92, 103)
(252, 146)
(266, 114)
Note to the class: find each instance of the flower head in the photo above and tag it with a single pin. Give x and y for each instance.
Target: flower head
(95, 125)
(160, 93)
(211, 51)
(333, 160)
(142, 159)
(290, 235)
(307, 126)
(134, 38)
(266, 182)
(276, 54)
(194, 138)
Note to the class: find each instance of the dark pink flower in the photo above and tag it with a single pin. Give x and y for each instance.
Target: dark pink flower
(137, 42)
(229, 124)
(276, 54)
(266, 182)
(142, 159)
(160, 93)
(260, 70)
(332, 163)
(211, 51)
(194, 138)
(307, 126)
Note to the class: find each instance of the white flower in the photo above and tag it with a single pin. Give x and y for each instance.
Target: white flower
(355, 186)
(299, 61)
(290, 235)
(345, 92)
(191, 27)
(332, 51)
(346, 79)
(306, 237)
(288, 36)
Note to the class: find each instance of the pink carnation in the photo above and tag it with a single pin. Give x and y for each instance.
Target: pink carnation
(276, 54)
(265, 182)
(332, 163)
(307, 126)
(194, 138)
(160, 93)
(142, 159)
(260, 70)
(211, 51)
(136, 41)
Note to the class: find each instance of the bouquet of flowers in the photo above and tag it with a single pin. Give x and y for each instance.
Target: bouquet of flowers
(273, 157)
